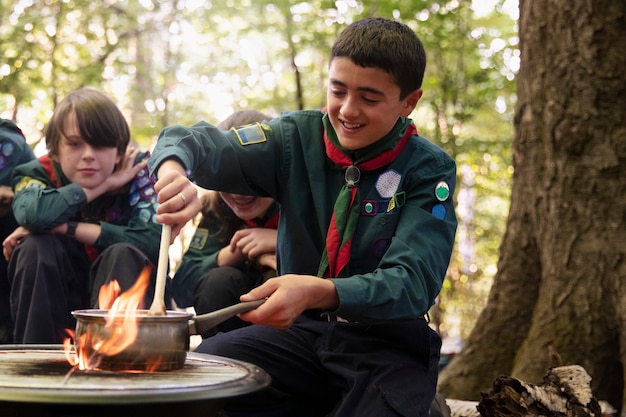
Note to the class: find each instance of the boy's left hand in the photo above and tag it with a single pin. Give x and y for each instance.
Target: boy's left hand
(287, 297)
(127, 170)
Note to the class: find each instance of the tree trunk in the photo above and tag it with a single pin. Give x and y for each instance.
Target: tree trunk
(561, 281)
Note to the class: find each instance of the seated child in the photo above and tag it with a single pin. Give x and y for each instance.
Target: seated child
(86, 213)
(233, 248)
(14, 151)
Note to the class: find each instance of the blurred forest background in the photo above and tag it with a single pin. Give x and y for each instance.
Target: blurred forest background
(181, 61)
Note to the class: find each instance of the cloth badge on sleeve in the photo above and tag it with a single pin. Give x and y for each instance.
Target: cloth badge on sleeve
(28, 182)
(199, 239)
(396, 201)
(387, 183)
(251, 134)
(8, 148)
(439, 211)
(442, 191)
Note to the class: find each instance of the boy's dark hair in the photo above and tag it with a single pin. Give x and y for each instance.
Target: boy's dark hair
(386, 44)
(100, 121)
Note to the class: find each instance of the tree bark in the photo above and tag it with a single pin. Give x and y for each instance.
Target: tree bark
(561, 279)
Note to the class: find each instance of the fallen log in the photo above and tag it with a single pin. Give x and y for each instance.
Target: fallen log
(564, 392)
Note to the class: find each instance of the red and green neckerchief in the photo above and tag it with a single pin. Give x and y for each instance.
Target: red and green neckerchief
(348, 204)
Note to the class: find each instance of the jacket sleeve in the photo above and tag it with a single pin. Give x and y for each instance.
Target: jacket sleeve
(222, 159)
(14, 150)
(38, 205)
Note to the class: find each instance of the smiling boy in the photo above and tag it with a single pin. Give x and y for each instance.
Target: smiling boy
(366, 232)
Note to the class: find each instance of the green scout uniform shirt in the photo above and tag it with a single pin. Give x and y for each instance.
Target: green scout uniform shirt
(41, 203)
(404, 237)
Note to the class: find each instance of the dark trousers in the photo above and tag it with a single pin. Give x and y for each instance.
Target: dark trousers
(7, 226)
(335, 369)
(50, 276)
(221, 287)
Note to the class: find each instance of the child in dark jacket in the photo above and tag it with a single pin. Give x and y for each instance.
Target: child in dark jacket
(86, 212)
(14, 151)
(233, 248)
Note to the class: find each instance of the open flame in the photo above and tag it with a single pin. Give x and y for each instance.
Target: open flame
(119, 330)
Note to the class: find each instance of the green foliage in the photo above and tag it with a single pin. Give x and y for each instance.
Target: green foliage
(176, 61)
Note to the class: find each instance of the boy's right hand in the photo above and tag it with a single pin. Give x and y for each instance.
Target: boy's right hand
(177, 197)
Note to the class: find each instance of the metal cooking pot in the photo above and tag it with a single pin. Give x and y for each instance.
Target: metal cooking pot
(161, 344)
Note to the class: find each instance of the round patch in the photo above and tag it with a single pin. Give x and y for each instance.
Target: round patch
(8, 148)
(145, 215)
(380, 247)
(133, 199)
(368, 207)
(439, 211)
(442, 191)
(387, 183)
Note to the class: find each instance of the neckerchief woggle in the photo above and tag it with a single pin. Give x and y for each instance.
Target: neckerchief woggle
(346, 210)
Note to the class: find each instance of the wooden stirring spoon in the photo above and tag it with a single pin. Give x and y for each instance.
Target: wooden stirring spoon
(158, 302)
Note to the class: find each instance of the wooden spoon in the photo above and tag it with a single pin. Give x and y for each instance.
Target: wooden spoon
(158, 303)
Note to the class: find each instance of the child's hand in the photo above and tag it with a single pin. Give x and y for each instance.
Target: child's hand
(267, 260)
(254, 242)
(178, 199)
(117, 182)
(9, 244)
(287, 297)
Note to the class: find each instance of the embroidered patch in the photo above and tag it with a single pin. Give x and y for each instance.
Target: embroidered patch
(146, 215)
(387, 183)
(28, 182)
(439, 211)
(380, 247)
(391, 205)
(442, 191)
(133, 198)
(8, 148)
(369, 207)
(199, 239)
(400, 198)
(250, 134)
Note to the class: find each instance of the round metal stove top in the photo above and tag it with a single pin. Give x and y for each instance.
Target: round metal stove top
(42, 374)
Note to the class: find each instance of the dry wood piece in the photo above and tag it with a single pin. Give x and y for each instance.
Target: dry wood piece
(462, 408)
(564, 392)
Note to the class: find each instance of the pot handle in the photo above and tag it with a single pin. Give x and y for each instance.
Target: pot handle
(205, 322)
